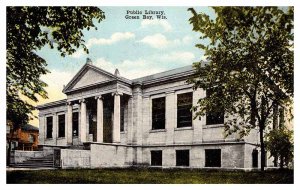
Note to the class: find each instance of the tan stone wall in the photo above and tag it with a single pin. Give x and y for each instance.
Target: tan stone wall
(75, 158)
(106, 155)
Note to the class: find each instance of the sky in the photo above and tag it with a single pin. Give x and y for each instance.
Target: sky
(137, 47)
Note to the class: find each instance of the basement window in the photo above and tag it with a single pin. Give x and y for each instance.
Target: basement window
(255, 158)
(182, 157)
(156, 158)
(158, 113)
(49, 127)
(184, 113)
(212, 157)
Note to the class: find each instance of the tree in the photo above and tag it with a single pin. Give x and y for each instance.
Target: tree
(279, 143)
(28, 30)
(250, 62)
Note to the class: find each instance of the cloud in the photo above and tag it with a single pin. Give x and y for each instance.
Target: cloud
(157, 41)
(78, 53)
(187, 39)
(105, 65)
(161, 23)
(130, 69)
(116, 37)
(56, 81)
(180, 57)
(160, 41)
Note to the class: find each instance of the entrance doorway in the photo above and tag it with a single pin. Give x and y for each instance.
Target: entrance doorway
(92, 119)
(108, 107)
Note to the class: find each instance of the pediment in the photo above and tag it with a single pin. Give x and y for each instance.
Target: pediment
(88, 76)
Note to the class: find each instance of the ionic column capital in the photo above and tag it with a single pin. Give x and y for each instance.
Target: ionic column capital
(82, 100)
(117, 93)
(99, 97)
(69, 103)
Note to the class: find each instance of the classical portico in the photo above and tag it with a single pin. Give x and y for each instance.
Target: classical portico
(90, 87)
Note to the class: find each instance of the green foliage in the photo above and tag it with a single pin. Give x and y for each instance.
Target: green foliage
(28, 30)
(280, 144)
(250, 54)
(250, 58)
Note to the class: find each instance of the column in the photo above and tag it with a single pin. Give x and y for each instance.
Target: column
(198, 123)
(69, 123)
(99, 118)
(146, 120)
(82, 120)
(129, 121)
(54, 128)
(170, 117)
(117, 117)
(42, 131)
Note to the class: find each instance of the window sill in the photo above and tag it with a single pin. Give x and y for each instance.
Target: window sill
(58, 138)
(213, 126)
(122, 132)
(183, 128)
(157, 130)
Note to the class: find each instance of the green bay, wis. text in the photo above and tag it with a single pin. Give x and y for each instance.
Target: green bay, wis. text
(145, 14)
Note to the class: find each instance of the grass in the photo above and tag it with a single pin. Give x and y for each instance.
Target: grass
(147, 176)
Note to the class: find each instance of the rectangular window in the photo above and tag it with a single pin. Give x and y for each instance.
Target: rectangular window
(61, 125)
(156, 158)
(184, 113)
(49, 127)
(213, 118)
(75, 123)
(212, 157)
(158, 113)
(182, 157)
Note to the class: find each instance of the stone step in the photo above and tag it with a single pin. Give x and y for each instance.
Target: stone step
(36, 166)
(41, 162)
(40, 159)
(32, 166)
(35, 163)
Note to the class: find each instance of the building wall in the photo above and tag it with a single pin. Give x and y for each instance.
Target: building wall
(138, 132)
(138, 124)
(54, 112)
(75, 158)
(22, 139)
(109, 155)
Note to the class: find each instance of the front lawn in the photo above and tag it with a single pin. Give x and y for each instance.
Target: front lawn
(147, 176)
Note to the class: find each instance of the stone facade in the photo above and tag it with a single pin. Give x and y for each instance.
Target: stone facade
(112, 117)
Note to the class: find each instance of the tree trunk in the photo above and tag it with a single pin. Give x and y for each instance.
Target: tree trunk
(281, 161)
(9, 147)
(262, 148)
(275, 126)
(8, 154)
